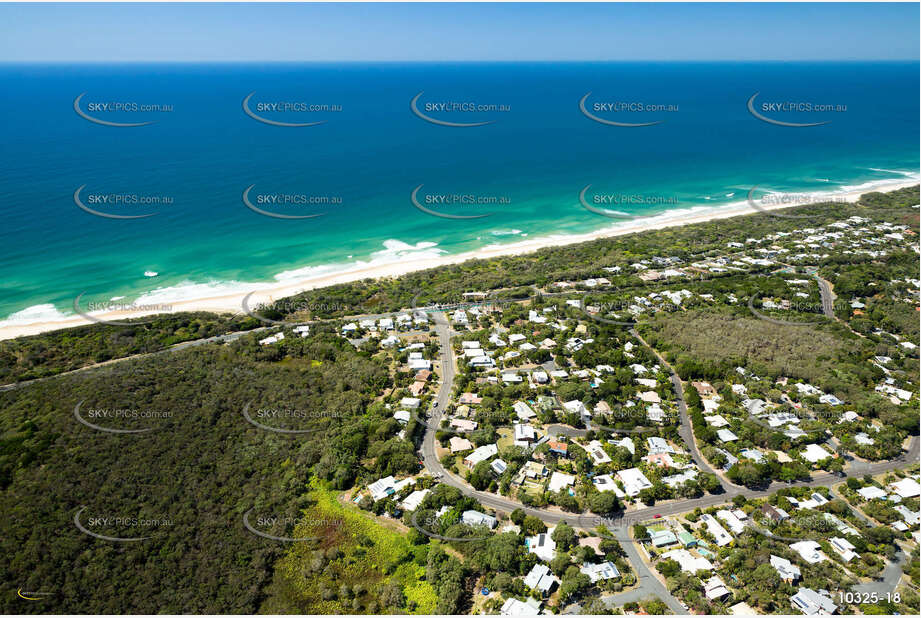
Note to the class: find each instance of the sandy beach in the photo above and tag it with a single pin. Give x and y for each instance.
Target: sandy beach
(273, 291)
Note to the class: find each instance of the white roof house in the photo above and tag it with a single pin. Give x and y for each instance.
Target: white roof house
(514, 607)
(475, 518)
(734, 523)
(814, 453)
(560, 481)
(634, 481)
(541, 579)
(382, 488)
(272, 339)
(402, 416)
(715, 588)
(786, 569)
(542, 545)
(604, 482)
(655, 413)
(627, 443)
(810, 602)
(524, 433)
(810, 551)
(523, 411)
(597, 453)
(844, 548)
(413, 500)
(719, 534)
(410, 402)
(658, 445)
(906, 488)
(726, 436)
(482, 453)
(687, 562)
(577, 407)
(871, 493)
(677, 479)
(418, 364)
(600, 572)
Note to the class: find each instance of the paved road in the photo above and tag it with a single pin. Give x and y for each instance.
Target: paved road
(686, 431)
(828, 297)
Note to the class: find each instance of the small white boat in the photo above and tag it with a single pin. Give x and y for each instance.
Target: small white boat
(150, 273)
(730, 194)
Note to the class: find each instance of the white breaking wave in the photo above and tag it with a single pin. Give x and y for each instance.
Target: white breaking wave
(36, 313)
(505, 232)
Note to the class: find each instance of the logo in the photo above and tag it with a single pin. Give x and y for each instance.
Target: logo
(114, 200)
(269, 521)
(452, 107)
(113, 521)
(282, 200)
(278, 107)
(617, 107)
(117, 107)
(117, 413)
(117, 306)
(455, 199)
(787, 107)
(276, 413)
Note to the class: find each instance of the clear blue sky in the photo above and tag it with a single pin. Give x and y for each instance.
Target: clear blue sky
(341, 32)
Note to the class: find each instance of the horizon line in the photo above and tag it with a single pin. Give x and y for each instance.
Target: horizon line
(469, 61)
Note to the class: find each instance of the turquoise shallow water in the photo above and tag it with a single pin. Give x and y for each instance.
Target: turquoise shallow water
(371, 151)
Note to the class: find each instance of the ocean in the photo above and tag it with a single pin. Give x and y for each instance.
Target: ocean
(367, 150)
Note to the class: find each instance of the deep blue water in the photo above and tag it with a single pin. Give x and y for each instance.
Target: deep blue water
(539, 154)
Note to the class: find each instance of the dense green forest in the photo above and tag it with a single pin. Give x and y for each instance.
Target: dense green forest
(199, 470)
(26, 358)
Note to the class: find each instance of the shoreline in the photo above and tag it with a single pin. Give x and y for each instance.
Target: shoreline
(272, 291)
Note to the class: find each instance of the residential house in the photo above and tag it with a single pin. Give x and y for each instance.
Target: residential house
(812, 603)
(477, 519)
(600, 572)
